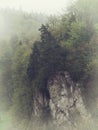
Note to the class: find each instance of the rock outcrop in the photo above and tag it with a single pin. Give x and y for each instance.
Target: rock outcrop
(65, 103)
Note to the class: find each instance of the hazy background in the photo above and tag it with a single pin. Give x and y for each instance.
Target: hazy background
(20, 21)
(39, 6)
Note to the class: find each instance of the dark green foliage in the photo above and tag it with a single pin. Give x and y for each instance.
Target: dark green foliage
(75, 36)
(22, 96)
(22, 102)
(66, 43)
(19, 31)
(47, 58)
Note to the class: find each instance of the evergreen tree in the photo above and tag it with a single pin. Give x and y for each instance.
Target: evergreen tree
(46, 59)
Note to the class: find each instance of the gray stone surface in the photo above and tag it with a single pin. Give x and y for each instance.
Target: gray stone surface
(66, 104)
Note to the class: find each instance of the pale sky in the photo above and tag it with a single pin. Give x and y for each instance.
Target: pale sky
(40, 6)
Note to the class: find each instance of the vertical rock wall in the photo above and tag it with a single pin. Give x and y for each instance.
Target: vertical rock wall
(65, 104)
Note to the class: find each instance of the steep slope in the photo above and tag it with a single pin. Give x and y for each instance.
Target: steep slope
(65, 105)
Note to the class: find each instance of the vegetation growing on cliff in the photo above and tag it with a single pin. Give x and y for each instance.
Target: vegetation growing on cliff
(28, 60)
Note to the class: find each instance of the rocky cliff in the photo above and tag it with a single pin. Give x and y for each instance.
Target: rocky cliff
(65, 105)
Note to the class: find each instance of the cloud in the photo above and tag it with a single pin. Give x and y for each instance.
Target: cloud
(43, 6)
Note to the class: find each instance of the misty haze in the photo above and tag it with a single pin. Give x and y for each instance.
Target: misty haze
(48, 65)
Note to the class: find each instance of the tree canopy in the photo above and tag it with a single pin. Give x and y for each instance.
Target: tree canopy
(28, 58)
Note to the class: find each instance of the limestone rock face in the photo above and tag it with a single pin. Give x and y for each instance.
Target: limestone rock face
(66, 101)
(65, 104)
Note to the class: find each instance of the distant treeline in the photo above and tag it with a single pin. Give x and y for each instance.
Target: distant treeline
(28, 57)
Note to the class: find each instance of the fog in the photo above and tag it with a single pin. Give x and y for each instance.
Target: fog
(42, 6)
(20, 21)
